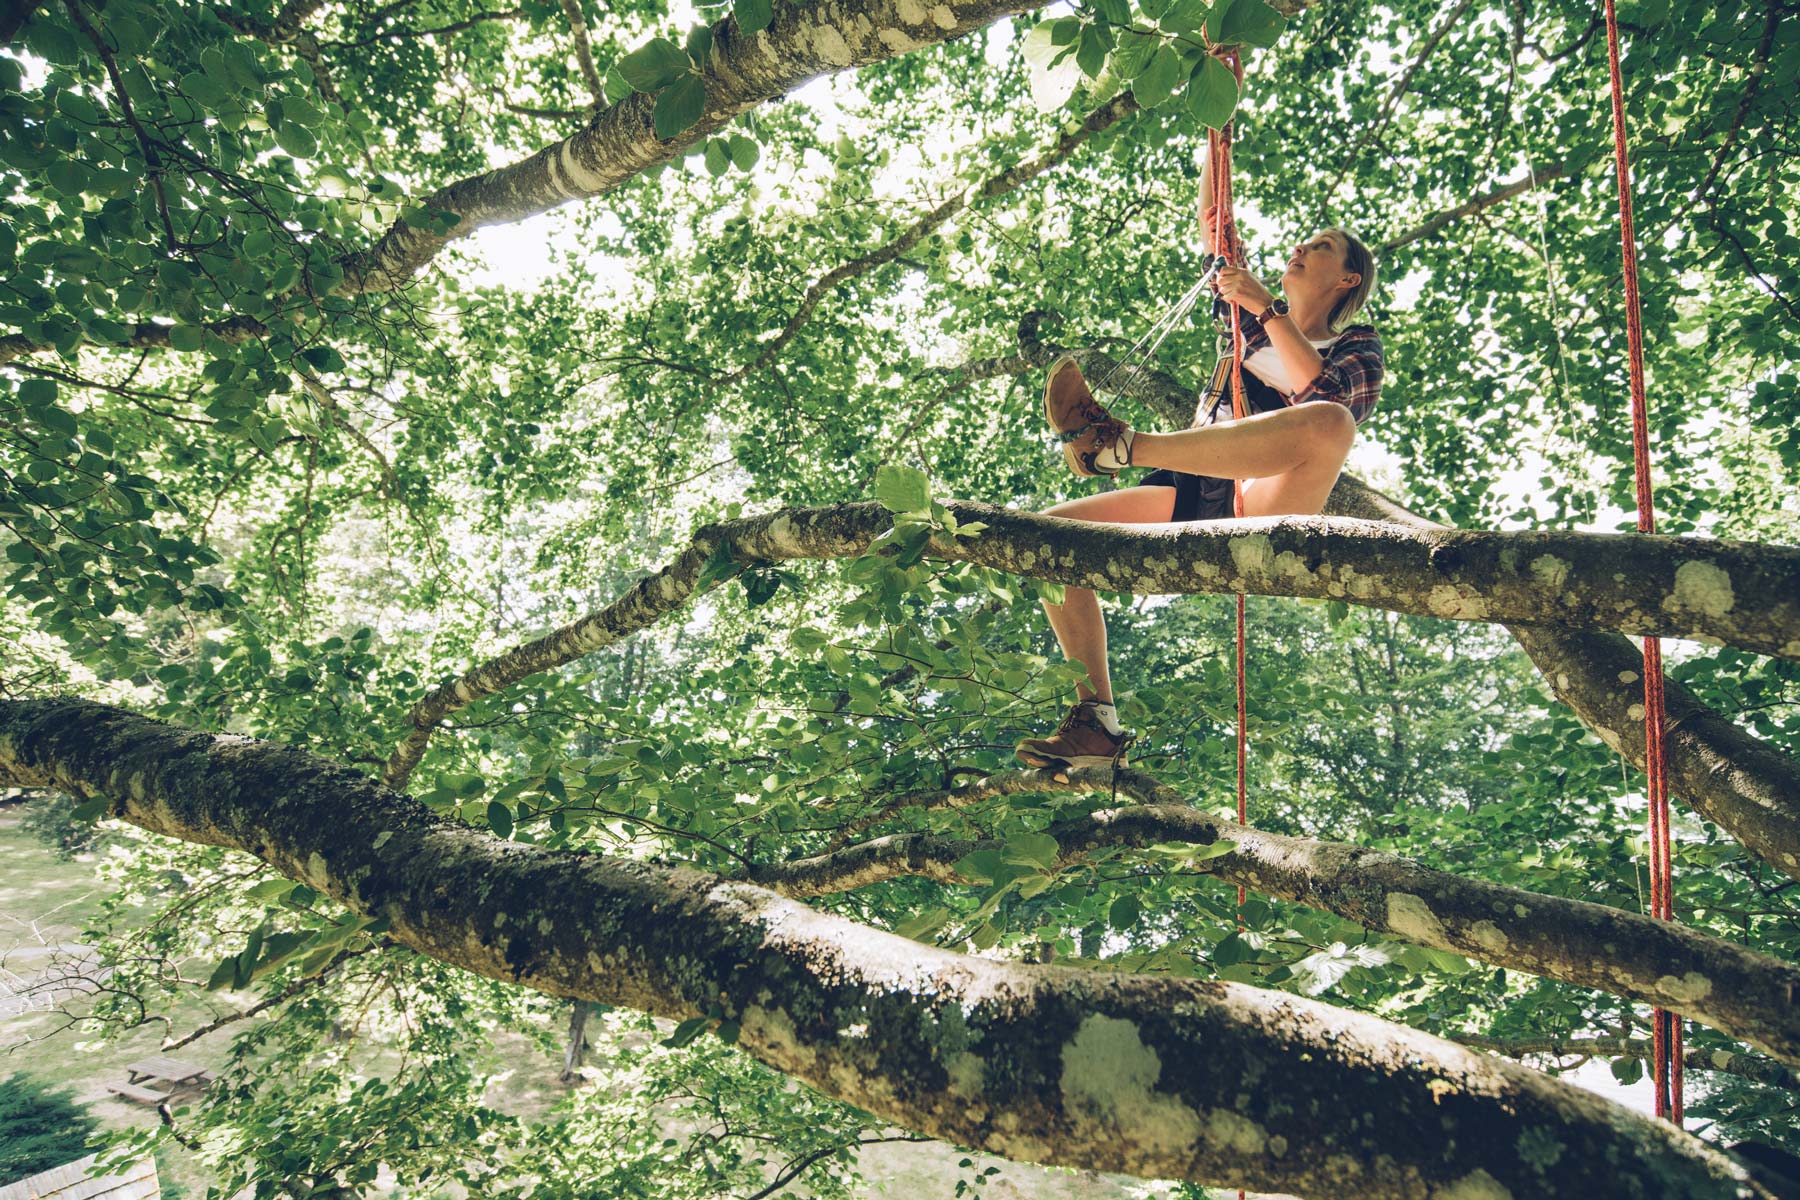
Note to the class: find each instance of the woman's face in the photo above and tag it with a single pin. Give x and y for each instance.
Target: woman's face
(1316, 268)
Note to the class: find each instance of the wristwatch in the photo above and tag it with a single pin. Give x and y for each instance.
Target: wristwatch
(1277, 308)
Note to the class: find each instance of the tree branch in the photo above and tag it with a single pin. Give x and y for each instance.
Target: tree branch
(1532, 178)
(801, 43)
(584, 50)
(1739, 593)
(1747, 995)
(1118, 1072)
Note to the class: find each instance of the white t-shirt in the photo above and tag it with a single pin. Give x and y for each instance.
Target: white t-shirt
(1265, 363)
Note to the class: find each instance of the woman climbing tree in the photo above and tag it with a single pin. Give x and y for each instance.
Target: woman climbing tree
(1286, 449)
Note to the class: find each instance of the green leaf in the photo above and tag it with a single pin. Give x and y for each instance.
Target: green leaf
(687, 1031)
(979, 867)
(1245, 22)
(77, 106)
(223, 976)
(1053, 71)
(1090, 56)
(1159, 78)
(753, 16)
(902, 489)
(718, 157)
(187, 337)
(1213, 93)
(33, 392)
(699, 43)
(922, 925)
(678, 107)
(204, 88)
(1124, 912)
(1031, 849)
(655, 65)
(323, 358)
(297, 140)
(615, 86)
(300, 112)
(500, 819)
(744, 151)
(271, 889)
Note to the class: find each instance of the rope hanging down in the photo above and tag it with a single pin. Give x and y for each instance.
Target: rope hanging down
(1666, 1041)
(1226, 246)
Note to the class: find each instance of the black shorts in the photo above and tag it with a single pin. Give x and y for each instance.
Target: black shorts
(1197, 497)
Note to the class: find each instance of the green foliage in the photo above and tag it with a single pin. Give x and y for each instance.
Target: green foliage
(41, 1127)
(295, 534)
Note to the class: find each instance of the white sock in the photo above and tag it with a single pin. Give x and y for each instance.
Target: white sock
(1108, 716)
(1117, 455)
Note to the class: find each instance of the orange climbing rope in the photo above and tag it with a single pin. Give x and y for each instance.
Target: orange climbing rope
(1666, 1027)
(1225, 242)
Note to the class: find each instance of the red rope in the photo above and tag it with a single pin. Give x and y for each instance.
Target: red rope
(1666, 1039)
(1225, 241)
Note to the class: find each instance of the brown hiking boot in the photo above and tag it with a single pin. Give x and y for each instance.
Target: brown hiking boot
(1080, 741)
(1081, 424)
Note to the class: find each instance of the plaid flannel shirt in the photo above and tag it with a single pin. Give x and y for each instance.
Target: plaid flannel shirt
(1352, 370)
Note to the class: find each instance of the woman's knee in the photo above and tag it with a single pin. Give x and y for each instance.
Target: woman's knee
(1329, 428)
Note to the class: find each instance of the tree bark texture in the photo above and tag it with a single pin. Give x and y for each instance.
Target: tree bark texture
(1748, 787)
(1751, 996)
(1735, 592)
(1216, 1083)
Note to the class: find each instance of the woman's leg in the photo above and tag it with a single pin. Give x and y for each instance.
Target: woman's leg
(1292, 455)
(1078, 623)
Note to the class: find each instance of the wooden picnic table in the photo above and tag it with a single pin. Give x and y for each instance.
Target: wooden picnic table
(169, 1070)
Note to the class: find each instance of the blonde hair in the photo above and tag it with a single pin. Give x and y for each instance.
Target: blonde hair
(1361, 263)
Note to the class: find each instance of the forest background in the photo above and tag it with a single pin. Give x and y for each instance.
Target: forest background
(281, 452)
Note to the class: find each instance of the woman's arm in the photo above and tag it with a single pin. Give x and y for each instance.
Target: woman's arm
(1204, 210)
(1302, 360)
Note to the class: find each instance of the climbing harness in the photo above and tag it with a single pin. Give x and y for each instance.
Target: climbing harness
(1666, 1040)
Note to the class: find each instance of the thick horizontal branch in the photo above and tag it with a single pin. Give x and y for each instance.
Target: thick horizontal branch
(801, 43)
(1724, 1062)
(1750, 996)
(1744, 594)
(1749, 787)
(1215, 1083)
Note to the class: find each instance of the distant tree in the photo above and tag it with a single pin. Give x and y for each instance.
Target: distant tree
(40, 1127)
